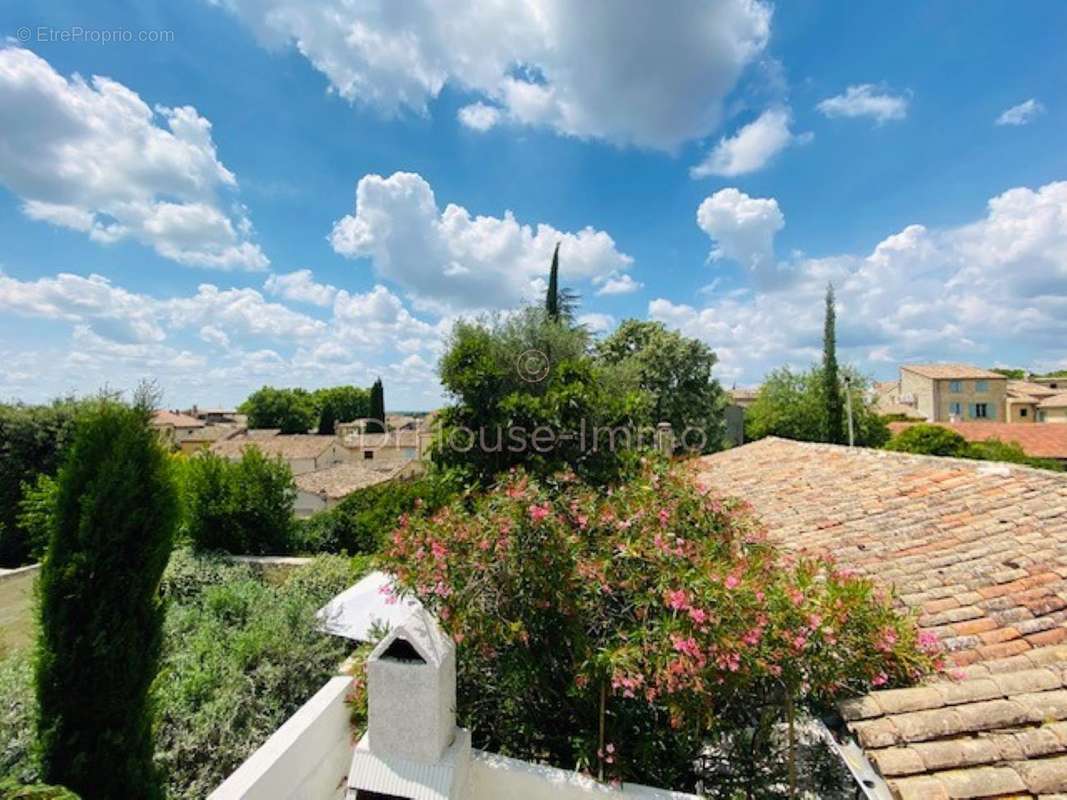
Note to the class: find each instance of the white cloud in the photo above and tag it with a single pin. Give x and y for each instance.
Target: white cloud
(866, 100)
(597, 323)
(1021, 114)
(240, 310)
(92, 156)
(616, 283)
(479, 116)
(215, 335)
(449, 259)
(301, 287)
(752, 147)
(742, 228)
(553, 63)
(979, 292)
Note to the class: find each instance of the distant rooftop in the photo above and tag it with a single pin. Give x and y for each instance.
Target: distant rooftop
(287, 446)
(341, 480)
(172, 418)
(1038, 439)
(952, 372)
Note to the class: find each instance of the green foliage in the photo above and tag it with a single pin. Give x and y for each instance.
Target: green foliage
(938, 440)
(931, 440)
(291, 410)
(12, 790)
(100, 612)
(833, 397)
(35, 513)
(243, 507)
(1013, 374)
(675, 371)
(659, 600)
(33, 440)
(241, 657)
(377, 408)
(527, 392)
(17, 718)
(340, 404)
(792, 405)
(360, 522)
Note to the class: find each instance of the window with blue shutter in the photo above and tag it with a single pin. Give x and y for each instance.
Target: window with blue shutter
(972, 410)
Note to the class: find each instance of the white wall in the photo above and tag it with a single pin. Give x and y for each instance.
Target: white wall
(307, 758)
(308, 503)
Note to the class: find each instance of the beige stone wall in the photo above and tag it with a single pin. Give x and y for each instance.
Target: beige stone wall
(1055, 415)
(995, 399)
(1015, 412)
(923, 391)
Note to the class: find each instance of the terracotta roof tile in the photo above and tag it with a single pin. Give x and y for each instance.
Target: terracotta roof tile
(287, 446)
(1038, 439)
(341, 480)
(981, 553)
(952, 372)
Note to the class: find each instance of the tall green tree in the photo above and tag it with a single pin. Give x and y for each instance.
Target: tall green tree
(377, 407)
(676, 372)
(100, 610)
(832, 394)
(552, 297)
(291, 410)
(340, 404)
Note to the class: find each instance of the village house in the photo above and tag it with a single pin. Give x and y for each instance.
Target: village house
(953, 392)
(302, 452)
(324, 488)
(175, 428)
(978, 551)
(391, 447)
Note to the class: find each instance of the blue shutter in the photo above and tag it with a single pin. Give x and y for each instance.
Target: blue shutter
(972, 410)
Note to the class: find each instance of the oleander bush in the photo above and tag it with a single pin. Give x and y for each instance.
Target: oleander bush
(626, 631)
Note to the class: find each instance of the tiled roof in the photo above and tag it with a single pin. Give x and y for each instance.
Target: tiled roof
(288, 447)
(1029, 389)
(162, 419)
(952, 372)
(341, 480)
(979, 551)
(391, 439)
(1038, 439)
(886, 387)
(1056, 401)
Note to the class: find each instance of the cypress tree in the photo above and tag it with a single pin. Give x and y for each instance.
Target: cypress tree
(377, 408)
(552, 298)
(835, 412)
(100, 612)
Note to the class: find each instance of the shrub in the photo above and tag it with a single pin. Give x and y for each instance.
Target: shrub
(11, 790)
(16, 718)
(100, 612)
(241, 657)
(243, 507)
(1012, 452)
(931, 440)
(291, 410)
(657, 610)
(527, 392)
(36, 511)
(33, 440)
(360, 522)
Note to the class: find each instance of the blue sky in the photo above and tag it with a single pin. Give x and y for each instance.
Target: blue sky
(192, 214)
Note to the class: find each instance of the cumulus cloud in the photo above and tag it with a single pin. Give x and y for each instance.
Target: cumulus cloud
(597, 323)
(301, 287)
(450, 260)
(479, 116)
(866, 100)
(978, 292)
(551, 63)
(742, 228)
(753, 147)
(93, 157)
(616, 283)
(1022, 114)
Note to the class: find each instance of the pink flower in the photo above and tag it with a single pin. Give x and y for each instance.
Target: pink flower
(698, 615)
(881, 679)
(687, 645)
(538, 513)
(677, 599)
(732, 581)
(928, 641)
(439, 550)
(582, 520)
(664, 517)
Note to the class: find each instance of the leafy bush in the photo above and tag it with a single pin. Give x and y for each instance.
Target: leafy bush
(931, 440)
(792, 405)
(657, 610)
(291, 410)
(100, 614)
(17, 708)
(340, 404)
(241, 657)
(360, 522)
(33, 440)
(527, 392)
(938, 440)
(35, 514)
(243, 507)
(12, 790)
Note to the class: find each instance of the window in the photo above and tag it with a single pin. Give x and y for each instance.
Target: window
(1022, 412)
(955, 409)
(955, 386)
(981, 410)
(368, 455)
(1040, 416)
(981, 386)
